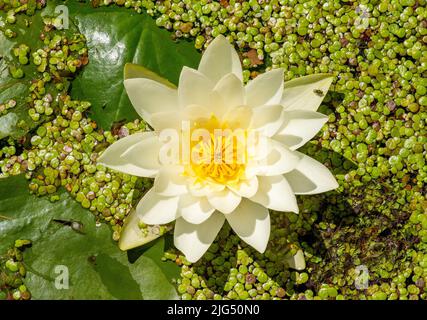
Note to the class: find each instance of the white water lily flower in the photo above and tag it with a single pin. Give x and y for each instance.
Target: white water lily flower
(200, 197)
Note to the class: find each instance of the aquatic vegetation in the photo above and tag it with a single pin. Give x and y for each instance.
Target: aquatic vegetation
(366, 240)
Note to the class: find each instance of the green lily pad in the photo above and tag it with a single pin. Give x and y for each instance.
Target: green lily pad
(18, 89)
(13, 89)
(96, 267)
(117, 36)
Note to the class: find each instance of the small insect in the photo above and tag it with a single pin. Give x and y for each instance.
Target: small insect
(319, 92)
(74, 225)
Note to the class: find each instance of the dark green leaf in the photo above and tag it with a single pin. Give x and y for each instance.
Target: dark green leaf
(111, 270)
(117, 36)
(155, 250)
(18, 89)
(97, 268)
(11, 88)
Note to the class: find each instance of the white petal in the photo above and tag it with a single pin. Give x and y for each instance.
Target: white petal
(224, 201)
(239, 117)
(220, 59)
(310, 177)
(195, 209)
(194, 87)
(297, 262)
(166, 120)
(156, 209)
(267, 119)
(275, 193)
(204, 189)
(251, 222)
(170, 181)
(251, 170)
(302, 93)
(133, 71)
(137, 154)
(196, 112)
(246, 188)
(279, 160)
(230, 87)
(194, 239)
(300, 127)
(266, 89)
(148, 97)
(132, 235)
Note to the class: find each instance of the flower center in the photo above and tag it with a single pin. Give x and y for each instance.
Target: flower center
(218, 152)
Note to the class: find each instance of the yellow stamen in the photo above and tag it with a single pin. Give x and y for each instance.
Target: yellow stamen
(219, 157)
